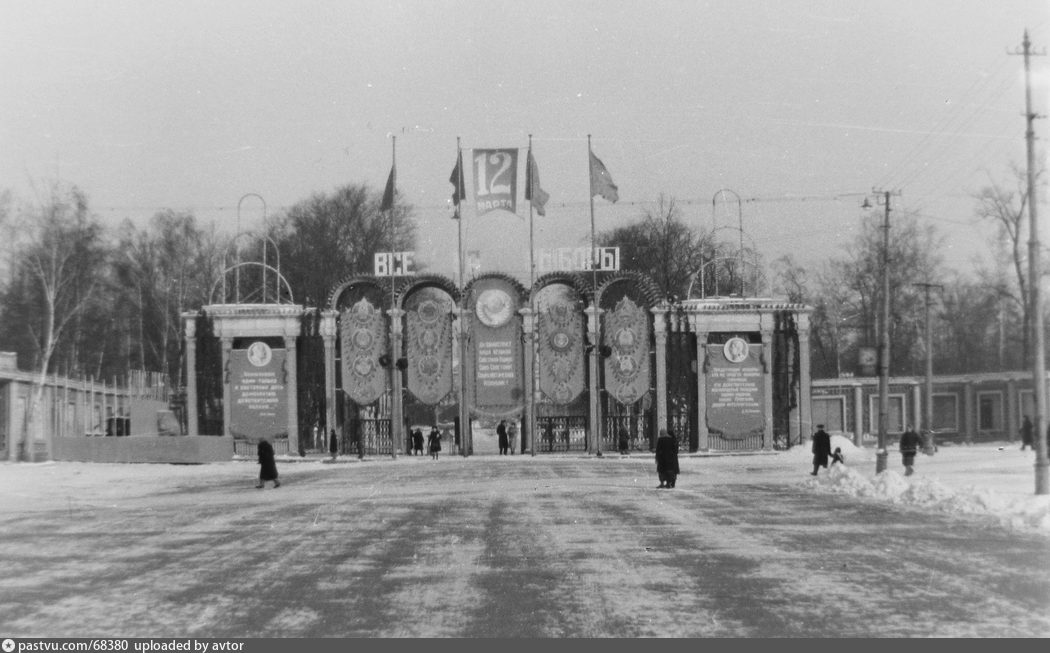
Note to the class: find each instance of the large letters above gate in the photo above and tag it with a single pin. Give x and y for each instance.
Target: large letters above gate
(627, 368)
(561, 361)
(429, 349)
(363, 338)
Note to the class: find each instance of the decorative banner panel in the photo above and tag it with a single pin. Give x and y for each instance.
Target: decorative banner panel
(258, 392)
(497, 363)
(429, 349)
(495, 180)
(735, 389)
(561, 360)
(363, 340)
(627, 335)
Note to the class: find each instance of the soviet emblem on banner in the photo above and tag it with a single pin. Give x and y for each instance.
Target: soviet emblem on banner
(561, 352)
(429, 347)
(363, 340)
(627, 335)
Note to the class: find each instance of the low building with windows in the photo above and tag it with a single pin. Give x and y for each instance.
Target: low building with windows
(967, 408)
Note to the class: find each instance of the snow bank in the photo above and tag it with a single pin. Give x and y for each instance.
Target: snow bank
(1003, 499)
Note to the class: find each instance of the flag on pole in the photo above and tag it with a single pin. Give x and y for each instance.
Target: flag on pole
(533, 192)
(601, 181)
(388, 194)
(459, 187)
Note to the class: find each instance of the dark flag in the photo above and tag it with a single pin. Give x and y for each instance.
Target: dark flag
(601, 181)
(459, 190)
(388, 194)
(533, 192)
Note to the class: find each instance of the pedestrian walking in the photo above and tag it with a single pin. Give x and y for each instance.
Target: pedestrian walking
(333, 445)
(1026, 433)
(548, 435)
(512, 437)
(909, 446)
(434, 442)
(666, 459)
(267, 465)
(501, 432)
(625, 442)
(821, 449)
(417, 442)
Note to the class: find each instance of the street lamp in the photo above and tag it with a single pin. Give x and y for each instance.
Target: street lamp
(881, 454)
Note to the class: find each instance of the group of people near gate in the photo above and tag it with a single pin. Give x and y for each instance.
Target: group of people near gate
(909, 446)
(666, 451)
(433, 442)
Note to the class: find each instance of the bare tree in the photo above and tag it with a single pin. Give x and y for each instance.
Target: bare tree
(1006, 207)
(323, 239)
(60, 265)
(662, 246)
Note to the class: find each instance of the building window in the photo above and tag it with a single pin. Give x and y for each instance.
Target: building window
(989, 411)
(894, 414)
(830, 411)
(946, 413)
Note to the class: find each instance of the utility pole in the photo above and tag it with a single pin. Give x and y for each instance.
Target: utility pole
(1042, 465)
(928, 414)
(881, 454)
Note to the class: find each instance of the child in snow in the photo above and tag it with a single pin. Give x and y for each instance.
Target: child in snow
(837, 456)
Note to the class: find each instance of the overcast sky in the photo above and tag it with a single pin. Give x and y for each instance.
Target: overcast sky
(797, 107)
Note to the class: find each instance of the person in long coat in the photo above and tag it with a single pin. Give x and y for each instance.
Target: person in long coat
(501, 431)
(417, 442)
(909, 446)
(624, 442)
(267, 465)
(666, 459)
(434, 442)
(821, 449)
(1026, 433)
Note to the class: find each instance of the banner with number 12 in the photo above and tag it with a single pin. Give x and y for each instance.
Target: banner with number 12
(495, 180)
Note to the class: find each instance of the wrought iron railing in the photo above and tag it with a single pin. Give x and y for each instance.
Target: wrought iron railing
(561, 433)
(246, 447)
(750, 442)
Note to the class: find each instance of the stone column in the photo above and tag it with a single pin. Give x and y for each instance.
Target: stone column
(805, 399)
(916, 398)
(397, 418)
(192, 424)
(328, 334)
(291, 388)
(701, 391)
(1013, 411)
(595, 432)
(969, 413)
(767, 382)
(858, 415)
(227, 398)
(660, 334)
(528, 322)
(461, 333)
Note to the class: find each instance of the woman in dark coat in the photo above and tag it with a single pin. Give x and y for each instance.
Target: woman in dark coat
(625, 442)
(666, 459)
(821, 449)
(267, 465)
(434, 442)
(504, 443)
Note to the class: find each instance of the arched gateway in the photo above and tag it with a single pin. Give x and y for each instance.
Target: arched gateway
(578, 360)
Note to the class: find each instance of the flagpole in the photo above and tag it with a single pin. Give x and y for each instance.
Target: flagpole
(463, 412)
(531, 402)
(395, 385)
(595, 347)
